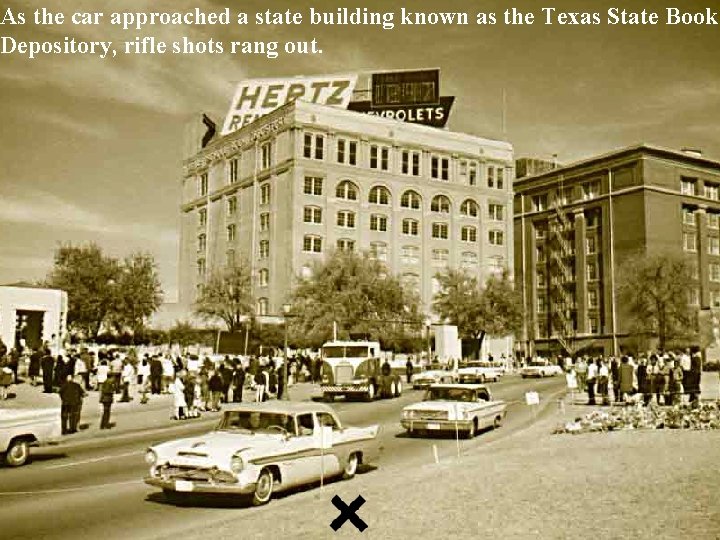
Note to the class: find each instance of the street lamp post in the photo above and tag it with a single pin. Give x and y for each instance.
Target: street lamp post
(285, 395)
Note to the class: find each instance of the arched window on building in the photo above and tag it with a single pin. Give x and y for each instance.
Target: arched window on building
(411, 199)
(346, 190)
(440, 204)
(379, 195)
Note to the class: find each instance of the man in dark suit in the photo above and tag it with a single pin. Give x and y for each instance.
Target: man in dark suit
(47, 363)
(238, 382)
(71, 396)
(156, 371)
(107, 395)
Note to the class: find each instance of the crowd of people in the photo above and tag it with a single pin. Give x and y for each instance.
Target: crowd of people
(670, 378)
(196, 384)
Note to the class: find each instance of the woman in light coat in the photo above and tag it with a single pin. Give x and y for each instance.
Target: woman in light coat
(178, 392)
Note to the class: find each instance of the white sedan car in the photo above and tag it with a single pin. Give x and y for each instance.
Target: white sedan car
(431, 376)
(540, 369)
(262, 448)
(463, 408)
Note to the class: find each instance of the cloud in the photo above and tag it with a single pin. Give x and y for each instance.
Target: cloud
(169, 83)
(94, 130)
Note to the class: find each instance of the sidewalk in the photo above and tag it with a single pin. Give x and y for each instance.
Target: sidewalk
(129, 417)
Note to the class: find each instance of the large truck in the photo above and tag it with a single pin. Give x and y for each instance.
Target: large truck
(354, 369)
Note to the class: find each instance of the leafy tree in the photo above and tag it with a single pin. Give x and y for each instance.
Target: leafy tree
(653, 290)
(227, 296)
(89, 278)
(356, 292)
(138, 293)
(494, 309)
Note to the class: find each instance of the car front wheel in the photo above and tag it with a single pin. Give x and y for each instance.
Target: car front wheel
(263, 488)
(18, 453)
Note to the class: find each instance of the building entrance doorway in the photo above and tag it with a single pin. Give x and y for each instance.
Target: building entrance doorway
(29, 328)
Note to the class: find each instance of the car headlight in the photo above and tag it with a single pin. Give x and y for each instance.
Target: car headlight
(151, 457)
(237, 464)
(407, 414)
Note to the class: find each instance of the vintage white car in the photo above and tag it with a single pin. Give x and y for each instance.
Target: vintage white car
(540, 369)
(478, 372)
(262, 448)
(466, 408)
(22, 428)
(432, 376)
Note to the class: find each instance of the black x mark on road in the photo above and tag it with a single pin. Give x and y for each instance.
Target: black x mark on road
(348, 512)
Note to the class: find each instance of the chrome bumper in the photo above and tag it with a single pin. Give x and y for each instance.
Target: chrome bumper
(437, 425)
(188, 486)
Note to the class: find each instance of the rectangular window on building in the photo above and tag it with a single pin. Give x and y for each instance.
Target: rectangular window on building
(265, 193)
(491, 177)
(440, 257)
(713, 245)
(312, 214)
(715, 299)
(687, 186)
(203, 184)
(410, 254)
(694, 296)
(266, 155)
(344, 244)
(201, 267)
(378, 222)
(689, 216)
(592, 219)
(233, 170)
(711, 191)
(314, 146)
(232, 206)
(312, 244)
(592, 299)
(263, 277)
(379, 157)
(265, 221)
(346, 218)
(500, 178)
(594, 324)
(410, 227)
(592, 271)
(712, 221)
(715, 272)
(539, 202)
(231, 233)
(541, 303)
(590, 190)
(410, 162)
(264, 249)
(378, 251)
(496, 238)
(468, 234)
(540, 232)
(202, 243)
(689, 241)
(440, 230)
(590, 242)
(202, 217)
(541, 278)
(496, 212)
(313, 185)
(347, 151)
(540, 254)
(439, 168)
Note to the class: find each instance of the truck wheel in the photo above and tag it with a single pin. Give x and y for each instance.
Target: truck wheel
(370, 393)
(399, 389)
(328, 398)
(17, 453)
(393, 390)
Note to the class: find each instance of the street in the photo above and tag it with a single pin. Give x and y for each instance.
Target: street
(95, 488)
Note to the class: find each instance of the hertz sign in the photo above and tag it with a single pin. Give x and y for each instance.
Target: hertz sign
(408, 96)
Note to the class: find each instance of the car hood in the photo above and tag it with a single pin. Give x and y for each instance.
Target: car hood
(430, 374)
(439, 406)
(218, 447)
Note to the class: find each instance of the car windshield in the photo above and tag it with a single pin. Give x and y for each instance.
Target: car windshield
(450, 394)
(254, 422)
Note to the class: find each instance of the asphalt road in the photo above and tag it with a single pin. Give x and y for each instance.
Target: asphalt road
(94, 489)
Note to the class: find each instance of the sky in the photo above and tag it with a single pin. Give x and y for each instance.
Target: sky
(91, 149)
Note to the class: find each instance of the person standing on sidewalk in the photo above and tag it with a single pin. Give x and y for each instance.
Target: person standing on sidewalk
(259, 385)
(116, 368)
(238, 382)
(47, 363)
(128, 379)
(409, 370)
(143, 379)
(71, 396)
(215, 386)
(178, 392)
(107, 396)
(592, 372)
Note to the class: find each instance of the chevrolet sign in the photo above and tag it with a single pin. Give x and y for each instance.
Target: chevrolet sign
(257, 97)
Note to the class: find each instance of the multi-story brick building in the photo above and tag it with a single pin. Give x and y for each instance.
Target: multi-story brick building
(574, 226)
(306, 179)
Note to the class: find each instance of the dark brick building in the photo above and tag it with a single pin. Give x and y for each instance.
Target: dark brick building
(574, 225)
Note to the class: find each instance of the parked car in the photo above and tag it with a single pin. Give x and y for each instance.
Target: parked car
(466, 408)
(540, 369)
(478, 372)
(21, 429)
(259, 449)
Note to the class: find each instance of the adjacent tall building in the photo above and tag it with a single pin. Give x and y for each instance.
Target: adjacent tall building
(306, 179)
(575, 224)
